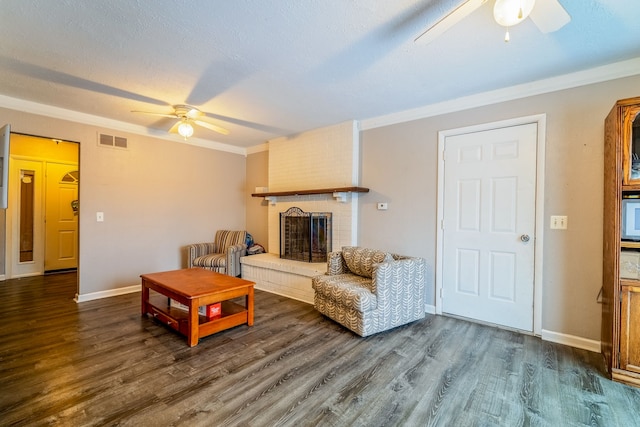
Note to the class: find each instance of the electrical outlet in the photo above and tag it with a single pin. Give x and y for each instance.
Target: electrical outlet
(559, 222)
(100, 216)
(382, 206)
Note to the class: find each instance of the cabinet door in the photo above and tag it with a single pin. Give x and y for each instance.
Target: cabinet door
(631, 144)
(630, 329)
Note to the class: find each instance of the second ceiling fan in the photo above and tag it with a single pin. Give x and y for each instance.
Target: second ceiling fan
(187, 117)
(547, 15)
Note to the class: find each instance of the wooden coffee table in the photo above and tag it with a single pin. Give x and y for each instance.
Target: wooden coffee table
(195, 287)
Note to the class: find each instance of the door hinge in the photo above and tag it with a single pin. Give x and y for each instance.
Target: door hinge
(442, 224)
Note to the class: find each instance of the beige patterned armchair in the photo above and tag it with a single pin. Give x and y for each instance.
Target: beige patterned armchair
(222, 255)
(370, 291)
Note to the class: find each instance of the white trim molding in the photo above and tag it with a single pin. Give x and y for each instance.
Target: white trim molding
(102, 122)
(108, 293)
(571, 341)
(257, 148)
(603, 73)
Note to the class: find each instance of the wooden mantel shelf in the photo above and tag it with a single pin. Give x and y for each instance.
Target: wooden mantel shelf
(338, 193)
(307, 192)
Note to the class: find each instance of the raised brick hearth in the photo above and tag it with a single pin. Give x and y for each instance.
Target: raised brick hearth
(282, 276)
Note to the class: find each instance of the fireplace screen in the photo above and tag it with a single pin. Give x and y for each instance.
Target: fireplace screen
(305, 236)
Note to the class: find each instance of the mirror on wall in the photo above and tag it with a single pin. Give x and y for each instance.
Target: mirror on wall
(27, 214)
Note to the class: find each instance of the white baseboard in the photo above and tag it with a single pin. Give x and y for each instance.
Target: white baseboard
(430, 309)
(106, 294)
(571, 340)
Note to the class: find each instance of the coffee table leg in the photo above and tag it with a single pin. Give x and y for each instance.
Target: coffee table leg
(194, 323)
(250, 306)
(145, 297)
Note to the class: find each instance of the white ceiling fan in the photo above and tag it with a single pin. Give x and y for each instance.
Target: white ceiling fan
(187, 117)
(547, 15)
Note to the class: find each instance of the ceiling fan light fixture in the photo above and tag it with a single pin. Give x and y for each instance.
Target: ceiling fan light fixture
(511, 12)
(185, 129)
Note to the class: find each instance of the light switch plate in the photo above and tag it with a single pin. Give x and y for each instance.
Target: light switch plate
(559, 222)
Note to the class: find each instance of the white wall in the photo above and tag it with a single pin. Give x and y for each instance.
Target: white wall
(157, 197)
(257, 207)
(399, 164)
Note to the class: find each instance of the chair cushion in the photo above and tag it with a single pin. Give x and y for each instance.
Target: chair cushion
(226, 238)
(347, 290)
(360, 260)
(210, 260)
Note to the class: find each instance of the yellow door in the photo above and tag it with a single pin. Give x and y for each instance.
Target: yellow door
(61, 217)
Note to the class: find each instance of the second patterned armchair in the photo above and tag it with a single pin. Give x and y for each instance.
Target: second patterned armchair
(222, 255)
(370, 291)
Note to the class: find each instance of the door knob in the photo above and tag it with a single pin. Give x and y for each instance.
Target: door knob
(525, 238)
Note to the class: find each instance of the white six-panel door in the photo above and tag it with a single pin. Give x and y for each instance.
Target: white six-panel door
(489, 225)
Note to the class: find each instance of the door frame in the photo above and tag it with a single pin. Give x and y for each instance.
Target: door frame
(540, 120)
(10, 236)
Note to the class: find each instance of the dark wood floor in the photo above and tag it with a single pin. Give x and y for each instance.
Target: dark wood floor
(101, 363)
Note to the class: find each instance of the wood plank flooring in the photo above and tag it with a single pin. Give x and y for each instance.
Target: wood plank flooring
(101, 363)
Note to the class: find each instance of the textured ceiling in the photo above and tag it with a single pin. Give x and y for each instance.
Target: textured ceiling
(270, 68)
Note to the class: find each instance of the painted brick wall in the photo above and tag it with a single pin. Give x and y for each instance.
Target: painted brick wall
(321, 158)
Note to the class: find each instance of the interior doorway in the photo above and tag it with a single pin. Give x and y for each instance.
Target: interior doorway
(490, 216)
(42, 214)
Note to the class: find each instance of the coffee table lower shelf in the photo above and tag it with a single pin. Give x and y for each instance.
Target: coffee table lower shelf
(232, 315)
(193, 288)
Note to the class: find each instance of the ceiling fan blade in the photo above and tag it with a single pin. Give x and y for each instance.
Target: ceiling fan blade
(549, 15)
(173, 116)
(212, 127)
(174, 128)
(449, 20)
(194, 113)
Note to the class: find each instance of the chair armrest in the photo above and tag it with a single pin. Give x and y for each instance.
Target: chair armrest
(199, 249)
(234, 252)
(396, 280)
(336, 264)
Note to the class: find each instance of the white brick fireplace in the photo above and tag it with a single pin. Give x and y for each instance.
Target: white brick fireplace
(317, 159)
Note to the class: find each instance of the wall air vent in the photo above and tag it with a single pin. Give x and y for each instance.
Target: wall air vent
(105, 140)
(112, 141)
(120, 142)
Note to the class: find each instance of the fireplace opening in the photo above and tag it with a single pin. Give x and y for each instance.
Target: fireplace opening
(305, 236)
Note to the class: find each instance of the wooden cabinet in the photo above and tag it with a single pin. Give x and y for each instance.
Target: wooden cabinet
(630, 329)
(621, 243)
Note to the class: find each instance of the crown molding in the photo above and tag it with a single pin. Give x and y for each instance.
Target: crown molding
(102, 122)
(603, 73)
(258, 148)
